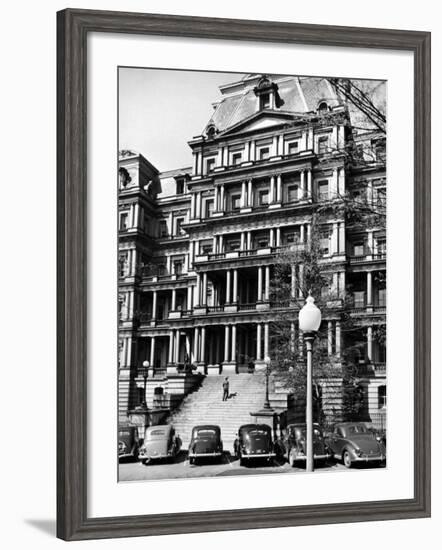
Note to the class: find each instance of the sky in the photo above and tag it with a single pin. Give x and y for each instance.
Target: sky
(161, 110)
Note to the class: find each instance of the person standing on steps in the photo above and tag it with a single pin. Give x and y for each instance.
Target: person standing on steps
(226, 389)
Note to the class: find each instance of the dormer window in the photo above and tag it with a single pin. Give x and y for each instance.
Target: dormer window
(264, 102)
(264, 153)
(323, 108)
(210, 165)
(236, 158)
(179, 186)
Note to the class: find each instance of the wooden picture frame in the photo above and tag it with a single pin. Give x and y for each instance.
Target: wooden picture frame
(73, 27)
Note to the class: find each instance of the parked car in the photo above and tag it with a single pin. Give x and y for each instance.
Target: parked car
(159, 442)
(353, 442)
(205, 443)
(128, 442)
(254, 441)
(294, 444)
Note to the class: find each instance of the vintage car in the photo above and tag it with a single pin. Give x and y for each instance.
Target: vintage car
(205, 443)
(128, 443)
(294, 444)
(159, 442)
(254, 441)
(354, 442)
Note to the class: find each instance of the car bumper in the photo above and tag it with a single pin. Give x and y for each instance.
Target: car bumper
(204, 455)
(371, 458)
(153, 457)
(316, 457)
(126, 455)
(258, 455)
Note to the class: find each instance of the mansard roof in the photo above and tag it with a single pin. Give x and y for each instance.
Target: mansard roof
(299, 95)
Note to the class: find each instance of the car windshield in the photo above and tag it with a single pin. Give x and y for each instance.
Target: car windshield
(205, 433)
(302, 432)
(357, 429)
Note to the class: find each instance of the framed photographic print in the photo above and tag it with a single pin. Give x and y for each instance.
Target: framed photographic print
(243, 274)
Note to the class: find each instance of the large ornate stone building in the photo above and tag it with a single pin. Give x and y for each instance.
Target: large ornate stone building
(197, 245)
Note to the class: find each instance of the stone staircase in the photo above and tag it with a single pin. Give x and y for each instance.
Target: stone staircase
(205, 406)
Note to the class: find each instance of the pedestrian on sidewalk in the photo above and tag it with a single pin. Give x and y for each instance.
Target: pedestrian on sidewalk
(226, 389)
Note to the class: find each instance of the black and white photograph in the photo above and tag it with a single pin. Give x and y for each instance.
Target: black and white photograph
(251, 274)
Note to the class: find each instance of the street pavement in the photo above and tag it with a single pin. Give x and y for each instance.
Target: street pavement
(227, 466)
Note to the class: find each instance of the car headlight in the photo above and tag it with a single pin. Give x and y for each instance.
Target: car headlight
(358, 452)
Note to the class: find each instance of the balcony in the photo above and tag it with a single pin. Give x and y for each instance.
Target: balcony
(373, 369)
(368, 256)
(254, 252)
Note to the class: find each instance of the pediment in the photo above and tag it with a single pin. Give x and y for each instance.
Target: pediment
(259, 121)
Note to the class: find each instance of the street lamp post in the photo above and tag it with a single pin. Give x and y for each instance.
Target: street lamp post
(309, 322)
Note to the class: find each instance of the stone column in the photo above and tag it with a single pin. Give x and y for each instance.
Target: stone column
(272, 189)
(267, 284)
(204, 289)
(253, 151)
(226, 343)
(203, 345)
(129, 351)
(292, 337)
(243, 240)
(330, 338)
(171, 346)
(195, 344)
(228, 285)
(233, 351)
(214, 240)
(243, 195)
(133, 267)
(189, 297)
(235, 286)
(302, 234)
(370, 343)
(278, 187)
(198, 289)
(341, 238)
(334, 239)
(195, 163)
(249, 240)
(154, 304)
(222, 199)
(278, 236)
(293, 282)
(258, 341)
(192, 206)
(216, 199)
(250, 194)
(301, 279)
(272, 237)
(177, 346)
(309, 183)
(191, 254)
(260, 284)
(275, 146)
(309, 233)
(369, 288)
(198, 204)
(266, 340)
(338, 337)
(220, 244)
(302, 184)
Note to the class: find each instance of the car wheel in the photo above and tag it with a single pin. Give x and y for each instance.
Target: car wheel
(346, 459)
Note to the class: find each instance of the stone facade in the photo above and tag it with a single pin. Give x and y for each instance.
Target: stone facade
(197, 246)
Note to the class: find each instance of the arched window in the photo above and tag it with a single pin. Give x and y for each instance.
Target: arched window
(323, 108)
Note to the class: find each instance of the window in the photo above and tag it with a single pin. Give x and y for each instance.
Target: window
(324, 241)
(209, 208)
(236, 158)
(359, 298)
(379, 150)
(233, 245)
(264, 153)
(322, 145)
(382, 297)
(210, 165)
(180, 186)
(325, 291)
(359, 249)
(293, 148)
(292, 237)
(163, 229)
(323, 108)
(292, 193)
(382, 397)
(263, 197)
(124, 221)
(178, 267)
(264, 101)
(236, 202)
(382, 246)
(122, 264)
(262, 242)
(178, 229)
(206, 248)
(323, 190)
